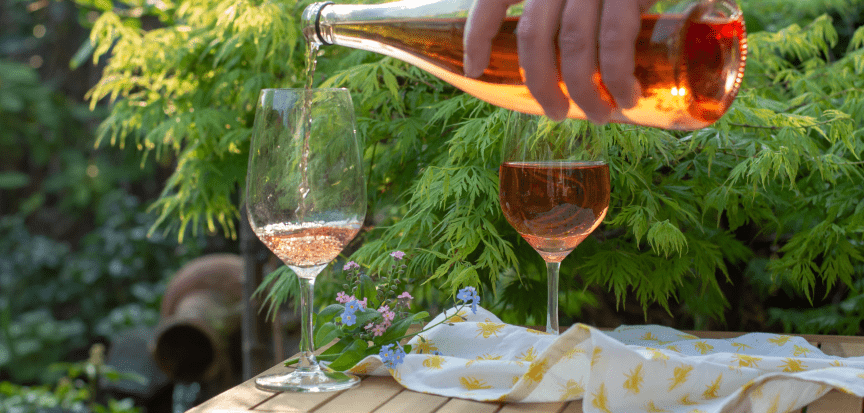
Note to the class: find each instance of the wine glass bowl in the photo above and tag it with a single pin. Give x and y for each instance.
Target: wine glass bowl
(554, 205)
(553, 191)
(306, 200)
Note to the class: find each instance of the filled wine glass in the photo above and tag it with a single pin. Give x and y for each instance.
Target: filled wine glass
(553, 190)
(306, 199)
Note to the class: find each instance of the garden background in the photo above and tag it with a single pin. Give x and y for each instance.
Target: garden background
(125, 126)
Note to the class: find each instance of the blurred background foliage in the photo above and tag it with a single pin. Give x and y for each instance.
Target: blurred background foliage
(754, 224)
(77, 267)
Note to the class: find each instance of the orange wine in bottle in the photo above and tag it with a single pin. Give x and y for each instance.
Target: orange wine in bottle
(689, 59)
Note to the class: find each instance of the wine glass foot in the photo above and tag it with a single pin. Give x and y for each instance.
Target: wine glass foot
(310, 380)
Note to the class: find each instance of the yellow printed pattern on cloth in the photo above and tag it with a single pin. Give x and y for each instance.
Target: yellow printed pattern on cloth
(631, 369)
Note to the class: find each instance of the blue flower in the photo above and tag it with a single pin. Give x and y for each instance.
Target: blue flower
(398, 356)
(386, 354)
(466, 293)
(392, 357)
(469, 294)
(352, 306)
(349, 318)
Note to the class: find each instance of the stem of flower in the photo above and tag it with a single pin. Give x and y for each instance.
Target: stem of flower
(429, 327)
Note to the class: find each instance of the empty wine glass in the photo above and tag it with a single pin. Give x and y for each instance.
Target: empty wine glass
(553, 191)
(306, 199)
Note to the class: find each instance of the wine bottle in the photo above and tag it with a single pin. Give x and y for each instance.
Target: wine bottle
(689, 58)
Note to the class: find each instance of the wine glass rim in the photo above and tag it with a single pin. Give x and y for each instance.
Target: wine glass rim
(558, 162)
(300, 89)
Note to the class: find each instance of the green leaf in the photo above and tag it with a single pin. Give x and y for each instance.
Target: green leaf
(328, 313)
(352, 355)
(337, 347)
(666, 238)
(82, 55)
(367, 316)
(325, 334)
(366, 289)
(104, 5)
(396, 331)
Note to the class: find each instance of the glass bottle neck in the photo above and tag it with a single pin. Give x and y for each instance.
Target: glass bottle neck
(321, 19)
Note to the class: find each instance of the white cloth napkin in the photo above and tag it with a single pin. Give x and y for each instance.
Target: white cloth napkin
(632, 369)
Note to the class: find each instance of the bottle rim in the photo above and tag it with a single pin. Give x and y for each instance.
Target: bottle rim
(314, 9)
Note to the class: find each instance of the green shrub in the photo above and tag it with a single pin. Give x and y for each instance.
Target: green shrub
(783, 165)
(76, 391)
(76, 264)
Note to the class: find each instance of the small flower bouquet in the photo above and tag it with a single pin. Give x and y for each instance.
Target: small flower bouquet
(371, 317)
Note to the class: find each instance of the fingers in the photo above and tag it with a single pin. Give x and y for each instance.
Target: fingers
(594, 34)
(578, 43)
(537, 28)
(484, 21)
(619, 28)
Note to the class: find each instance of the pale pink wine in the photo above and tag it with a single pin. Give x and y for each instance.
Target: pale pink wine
(554, 205)
(307, 246)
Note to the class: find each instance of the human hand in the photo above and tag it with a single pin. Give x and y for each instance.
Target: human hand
(591, 35)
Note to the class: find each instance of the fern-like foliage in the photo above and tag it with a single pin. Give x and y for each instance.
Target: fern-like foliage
(785, 160)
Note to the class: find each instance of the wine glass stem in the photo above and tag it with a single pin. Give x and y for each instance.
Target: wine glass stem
(552, 300)
(307, 345)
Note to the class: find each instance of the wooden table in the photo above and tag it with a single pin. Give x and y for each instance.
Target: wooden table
(383, 394)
